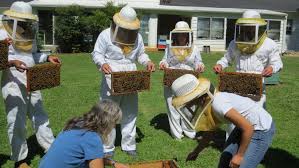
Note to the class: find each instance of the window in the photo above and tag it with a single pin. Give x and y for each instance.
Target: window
(273, 29)
(289, 27)
(144, 28)
(210, 28)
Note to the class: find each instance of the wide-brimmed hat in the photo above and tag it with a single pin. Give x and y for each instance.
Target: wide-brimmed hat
(127, 18)
(21, 10)
(188, 87)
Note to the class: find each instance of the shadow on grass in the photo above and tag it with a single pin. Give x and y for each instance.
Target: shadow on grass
(160, 121)
(33, 150)
(277, 158)
(139, 135)
(215, 139)
(3, 159)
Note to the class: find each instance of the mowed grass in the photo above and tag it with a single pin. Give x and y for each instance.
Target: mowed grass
(79, 90)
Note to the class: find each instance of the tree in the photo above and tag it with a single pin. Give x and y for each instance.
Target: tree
(77, 28)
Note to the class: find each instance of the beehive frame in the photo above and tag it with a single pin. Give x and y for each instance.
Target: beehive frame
(244, 84)
(3, 55)
(155, 164)
(130, 82)
(43, 76)
(170, 75)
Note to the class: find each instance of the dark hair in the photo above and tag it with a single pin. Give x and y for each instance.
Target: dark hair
(101, 118)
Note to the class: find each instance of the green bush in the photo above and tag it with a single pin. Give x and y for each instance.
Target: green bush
(77, 28)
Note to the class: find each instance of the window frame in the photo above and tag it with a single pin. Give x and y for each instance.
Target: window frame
(210, 27)
(268, 25)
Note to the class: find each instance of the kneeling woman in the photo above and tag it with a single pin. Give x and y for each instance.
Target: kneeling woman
(80, 144)
(249, 141)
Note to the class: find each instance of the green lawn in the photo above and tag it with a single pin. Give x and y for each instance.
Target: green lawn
(79, 90)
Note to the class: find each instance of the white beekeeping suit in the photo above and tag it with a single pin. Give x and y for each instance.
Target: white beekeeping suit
(18, 24)
(180, 54)
(252, 51)
(118, 48)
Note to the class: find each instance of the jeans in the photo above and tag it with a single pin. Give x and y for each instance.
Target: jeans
(258, 146)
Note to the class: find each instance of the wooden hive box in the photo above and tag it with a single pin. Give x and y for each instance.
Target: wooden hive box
(130, 82)
(170, 75)
(244, 84)
(43, 76)
(155, 164)
(3, 55)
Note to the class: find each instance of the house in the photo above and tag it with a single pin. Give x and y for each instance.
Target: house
(212, 21)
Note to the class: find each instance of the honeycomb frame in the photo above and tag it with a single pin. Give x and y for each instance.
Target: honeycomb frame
(244, 84)
(3, 55)
(43, 76)
(170, 75)
(128, 82)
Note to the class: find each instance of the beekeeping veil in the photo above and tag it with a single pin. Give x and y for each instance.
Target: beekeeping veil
(124, 29)
(192, 100)
(21, 25)
(250, 32)
(181, 41)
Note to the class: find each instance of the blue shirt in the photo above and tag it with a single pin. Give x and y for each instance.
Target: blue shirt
(73, 148)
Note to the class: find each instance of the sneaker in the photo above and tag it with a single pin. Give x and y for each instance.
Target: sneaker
(132, 153)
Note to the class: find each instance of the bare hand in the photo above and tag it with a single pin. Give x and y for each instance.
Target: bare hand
(54, 59)
(268, 71)
(200, 68)
(20, 66)
(217, 68)
(150, 66)
(8, 41)
(106, 69)
(162, 66)
(236, 161)
(120, 165)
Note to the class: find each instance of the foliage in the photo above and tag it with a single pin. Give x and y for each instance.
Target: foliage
(77, 28)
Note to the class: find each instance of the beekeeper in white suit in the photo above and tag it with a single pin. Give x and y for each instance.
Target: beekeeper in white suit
(251, 50)
(180, 54)
(117, 49)
(18, 28)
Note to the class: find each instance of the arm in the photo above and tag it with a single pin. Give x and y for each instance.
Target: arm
(163, 63)
(198, 64)
(96, 163)
(142, 57)
(226, 59)
(247, 131)
(274, 64)
(98, 54)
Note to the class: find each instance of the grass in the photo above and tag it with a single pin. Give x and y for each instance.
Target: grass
(79, 90)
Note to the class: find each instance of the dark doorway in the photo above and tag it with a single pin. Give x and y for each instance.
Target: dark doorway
(230, 31)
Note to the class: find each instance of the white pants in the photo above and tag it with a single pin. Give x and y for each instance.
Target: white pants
(19, 104)
(129, 106)
(177, 124)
